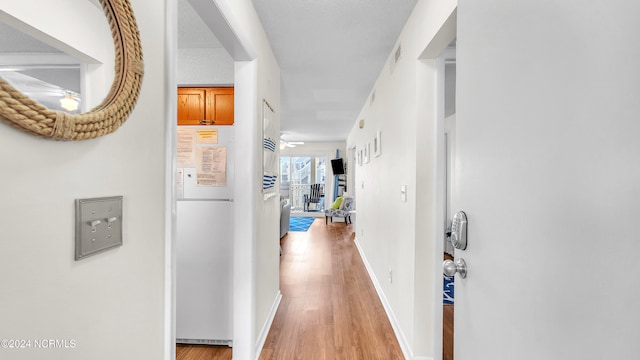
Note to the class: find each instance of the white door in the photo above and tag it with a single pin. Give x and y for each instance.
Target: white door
(548, 173)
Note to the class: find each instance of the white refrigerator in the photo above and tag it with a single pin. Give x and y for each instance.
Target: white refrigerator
(204, 247)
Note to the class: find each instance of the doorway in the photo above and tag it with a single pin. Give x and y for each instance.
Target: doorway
(298, 175)
(205, 185)
(242, 73)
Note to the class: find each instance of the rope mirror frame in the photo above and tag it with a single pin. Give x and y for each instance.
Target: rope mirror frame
(24, 113)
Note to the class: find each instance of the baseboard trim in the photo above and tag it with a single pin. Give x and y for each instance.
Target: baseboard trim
(267, 325)
(402, 340)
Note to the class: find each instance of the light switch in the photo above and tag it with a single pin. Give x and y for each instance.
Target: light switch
(403, 193)
(98, 225)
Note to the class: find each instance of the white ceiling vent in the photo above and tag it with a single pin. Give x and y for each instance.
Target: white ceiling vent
(397, 55)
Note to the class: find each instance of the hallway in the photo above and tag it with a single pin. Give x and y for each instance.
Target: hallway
(329, 307)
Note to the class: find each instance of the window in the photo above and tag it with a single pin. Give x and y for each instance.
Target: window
(297, 174)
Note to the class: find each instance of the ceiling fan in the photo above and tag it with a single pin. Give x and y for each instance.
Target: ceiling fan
(291, 144)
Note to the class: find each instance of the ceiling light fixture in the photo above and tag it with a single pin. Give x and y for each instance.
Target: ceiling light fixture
(69, 103)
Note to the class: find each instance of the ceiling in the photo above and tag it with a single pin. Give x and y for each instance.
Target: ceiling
(330, 53)
(192, 30)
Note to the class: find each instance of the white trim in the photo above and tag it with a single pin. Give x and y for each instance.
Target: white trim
(245, 196)
(440, 206)
(402, 340)
(267, 325)
(238, 41)
(437, 50)
(218, 16)
(170, 171)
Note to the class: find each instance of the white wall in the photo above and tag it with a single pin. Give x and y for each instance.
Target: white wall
(83, 45)
(110, 303)
(205, 66)
(394, 235)
(322, 148)
(256, 273)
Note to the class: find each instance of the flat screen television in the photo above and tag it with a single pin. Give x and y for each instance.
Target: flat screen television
(337, 165)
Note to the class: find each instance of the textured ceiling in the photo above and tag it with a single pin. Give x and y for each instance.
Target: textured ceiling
(192, 31)
(330, 54)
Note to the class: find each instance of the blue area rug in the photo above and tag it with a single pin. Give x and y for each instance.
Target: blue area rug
(448, 291)
(300, 223)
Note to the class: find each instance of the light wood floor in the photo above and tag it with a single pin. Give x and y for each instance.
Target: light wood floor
(202, 352)
(329, 307)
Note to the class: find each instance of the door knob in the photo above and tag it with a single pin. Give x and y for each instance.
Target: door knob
(450, 268)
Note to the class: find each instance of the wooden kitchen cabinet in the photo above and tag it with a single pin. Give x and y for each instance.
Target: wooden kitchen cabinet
(205, 106)
(219, 107)
(191, 106)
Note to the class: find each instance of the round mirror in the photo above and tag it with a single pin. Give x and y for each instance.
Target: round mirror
(60, 83)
